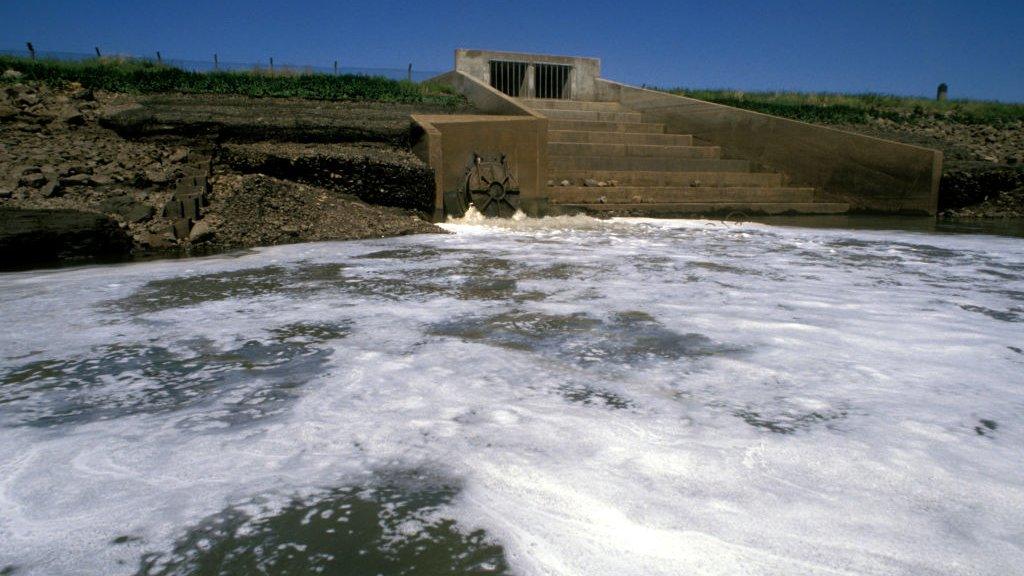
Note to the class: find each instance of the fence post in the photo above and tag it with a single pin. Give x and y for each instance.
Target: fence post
(98, 55)
(408, 75)
(940, 95)
(216, 64)
(271, 64)
(335, 67)
(159, 58)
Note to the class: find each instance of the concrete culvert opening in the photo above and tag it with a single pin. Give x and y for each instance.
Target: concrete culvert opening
(552, 81)
(508, 77)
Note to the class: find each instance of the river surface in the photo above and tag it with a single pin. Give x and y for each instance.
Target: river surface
(561, 397)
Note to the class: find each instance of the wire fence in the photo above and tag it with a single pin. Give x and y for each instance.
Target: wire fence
(215, 64)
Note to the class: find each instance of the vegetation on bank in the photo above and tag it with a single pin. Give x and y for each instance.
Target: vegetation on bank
(145, 77)
(830, 108)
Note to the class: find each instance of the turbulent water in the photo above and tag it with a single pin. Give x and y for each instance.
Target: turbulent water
(558, 396)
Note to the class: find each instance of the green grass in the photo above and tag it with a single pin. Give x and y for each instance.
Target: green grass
(829, 108)
(143, 77)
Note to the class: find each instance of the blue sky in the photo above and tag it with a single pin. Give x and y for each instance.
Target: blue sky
(894, 47)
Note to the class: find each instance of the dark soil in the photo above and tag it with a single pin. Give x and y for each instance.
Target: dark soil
(259, 210)
(245, 119)
(377, 174)
(30, 237)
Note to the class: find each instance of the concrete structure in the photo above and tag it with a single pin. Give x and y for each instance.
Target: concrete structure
(535, 70)
(594, 145)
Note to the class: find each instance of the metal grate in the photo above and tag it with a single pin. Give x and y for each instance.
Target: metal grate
(552, 81)
(508, 76)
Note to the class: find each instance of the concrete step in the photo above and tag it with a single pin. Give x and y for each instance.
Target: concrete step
(632, 150)
(647, 178)
(630, 127)
(619, 138)
(545, 104)
(592, 115)
(720, 208)
(665, 194)
(559, 163)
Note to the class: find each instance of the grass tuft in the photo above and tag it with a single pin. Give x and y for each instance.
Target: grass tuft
(120, 74)
(831, 108)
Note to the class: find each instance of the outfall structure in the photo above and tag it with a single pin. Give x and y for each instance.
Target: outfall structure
(576, 142)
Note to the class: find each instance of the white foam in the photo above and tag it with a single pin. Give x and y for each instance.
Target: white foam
(873, 355)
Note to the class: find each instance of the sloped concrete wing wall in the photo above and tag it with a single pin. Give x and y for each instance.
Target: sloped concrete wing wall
(868, 173)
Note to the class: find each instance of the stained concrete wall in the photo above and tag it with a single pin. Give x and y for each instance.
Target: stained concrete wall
(451, 142)
(447, 142)
(585, 71)
(868, 173)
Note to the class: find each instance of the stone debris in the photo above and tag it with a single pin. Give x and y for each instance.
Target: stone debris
(60, 154)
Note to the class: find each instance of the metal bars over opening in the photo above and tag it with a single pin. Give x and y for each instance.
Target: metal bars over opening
(552, 81)
(508, 77)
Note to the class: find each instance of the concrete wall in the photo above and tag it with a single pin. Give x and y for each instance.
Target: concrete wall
(585, 71)
(868, 173)
(447, 142)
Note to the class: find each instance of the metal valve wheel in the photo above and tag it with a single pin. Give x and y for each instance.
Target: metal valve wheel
(490, 186)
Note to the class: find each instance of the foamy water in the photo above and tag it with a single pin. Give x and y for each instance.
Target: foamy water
(558, 396)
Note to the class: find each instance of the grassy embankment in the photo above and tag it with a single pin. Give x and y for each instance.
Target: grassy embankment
(830, 108)
(144, 77)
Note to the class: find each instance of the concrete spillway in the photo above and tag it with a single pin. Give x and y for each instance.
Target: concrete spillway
(565, 130)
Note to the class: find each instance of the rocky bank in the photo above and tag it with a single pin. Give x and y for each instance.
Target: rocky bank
(87, 175)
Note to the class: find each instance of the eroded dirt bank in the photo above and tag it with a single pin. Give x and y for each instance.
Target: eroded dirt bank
(87, 175)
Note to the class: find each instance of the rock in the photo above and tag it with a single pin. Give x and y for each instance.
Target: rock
(27, 100)
(202, 232)
(590, 182)
(51, 189)
(77, 179)
(7, 111)
(602, 184)
(5, 191)
(157, 176)
(613, 182)
(155, 240)
(602, 200)
(84, 94)
(128, 208)
(179, 155)
(550, 182)
(695, 183)
(11, 74)
(72, 117)
(34, 180)
(566, 183)
(100, 180)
